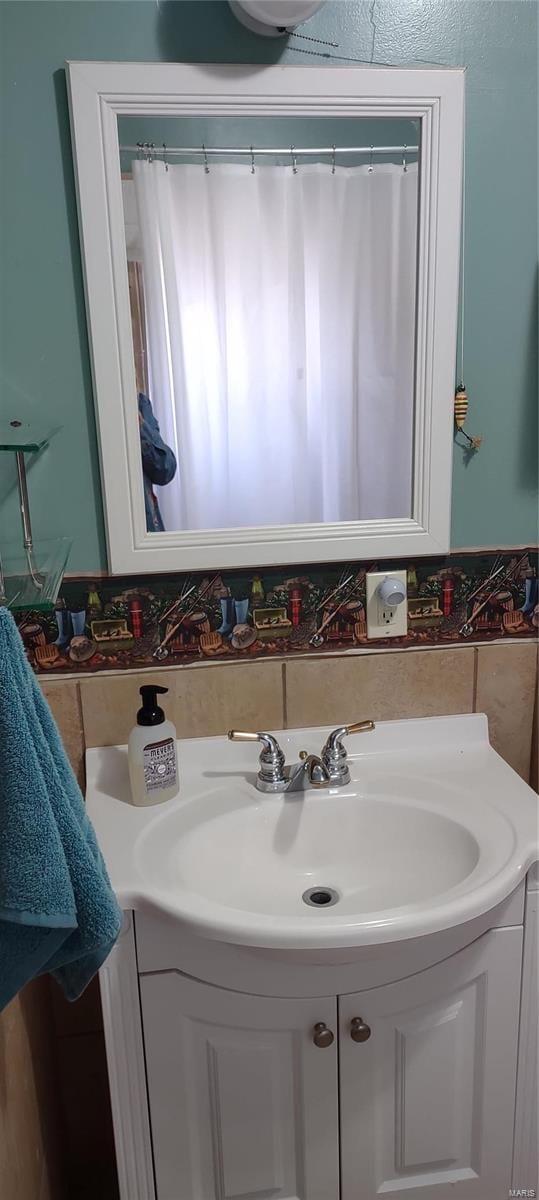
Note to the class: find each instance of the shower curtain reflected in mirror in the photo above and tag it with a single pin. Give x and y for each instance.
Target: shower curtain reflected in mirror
(279, 322)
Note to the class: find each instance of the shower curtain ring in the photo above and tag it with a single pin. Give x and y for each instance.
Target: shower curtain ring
(252, 161)
(294, 163)
(165, 160)
(404, 163)
(371, 167)
(206, 167)
(333, 160)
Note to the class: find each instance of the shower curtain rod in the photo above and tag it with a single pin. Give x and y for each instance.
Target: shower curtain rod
(251, 151)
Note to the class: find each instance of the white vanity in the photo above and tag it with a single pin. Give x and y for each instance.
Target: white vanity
(379, 1041)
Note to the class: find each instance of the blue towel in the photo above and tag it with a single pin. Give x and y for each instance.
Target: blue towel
(58, 912)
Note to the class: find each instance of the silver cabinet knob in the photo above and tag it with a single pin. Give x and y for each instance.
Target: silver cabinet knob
(322, 1036)
(359, 1030)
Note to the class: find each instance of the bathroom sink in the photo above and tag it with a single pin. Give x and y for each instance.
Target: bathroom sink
(433, 830)
(261, 856)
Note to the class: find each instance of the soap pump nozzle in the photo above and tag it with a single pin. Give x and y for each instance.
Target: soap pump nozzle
(151, 713)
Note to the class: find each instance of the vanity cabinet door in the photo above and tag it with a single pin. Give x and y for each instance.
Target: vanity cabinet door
(427, 1100)
(242, 1101)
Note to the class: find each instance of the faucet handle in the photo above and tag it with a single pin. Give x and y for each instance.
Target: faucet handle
(344, 730)
(270, 742)
(358, 727)
(271, 756)
(334, 756)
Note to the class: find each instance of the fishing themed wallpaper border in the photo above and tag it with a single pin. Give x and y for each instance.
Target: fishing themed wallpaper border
(126, 623)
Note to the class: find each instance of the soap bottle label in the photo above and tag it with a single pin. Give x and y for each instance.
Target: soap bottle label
(159, 761)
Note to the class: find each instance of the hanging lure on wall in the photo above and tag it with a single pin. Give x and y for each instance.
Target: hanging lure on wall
(461, 406)
(461, 412)
(461, 395)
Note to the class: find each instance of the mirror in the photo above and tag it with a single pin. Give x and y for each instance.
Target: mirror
(280, 275)
(273, 302)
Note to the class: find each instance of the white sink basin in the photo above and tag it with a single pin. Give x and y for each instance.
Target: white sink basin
(261, 855)
(433, 830)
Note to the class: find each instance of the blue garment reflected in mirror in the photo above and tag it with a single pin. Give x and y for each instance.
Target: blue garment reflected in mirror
(158, 463)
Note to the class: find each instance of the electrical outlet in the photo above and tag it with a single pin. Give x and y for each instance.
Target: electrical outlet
(385, 620)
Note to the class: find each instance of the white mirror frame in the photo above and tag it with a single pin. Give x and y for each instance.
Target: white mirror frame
(100, 93)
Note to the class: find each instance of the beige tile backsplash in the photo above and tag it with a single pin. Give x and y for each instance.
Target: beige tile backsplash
(506, 683)
(64, 700)
(203, 701)
(110, 703)
(384, 687)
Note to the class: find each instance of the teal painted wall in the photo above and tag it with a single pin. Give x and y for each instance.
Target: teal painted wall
(44, 355)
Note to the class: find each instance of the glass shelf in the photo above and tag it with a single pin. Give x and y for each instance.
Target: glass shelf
(50, 560)
(26, 436)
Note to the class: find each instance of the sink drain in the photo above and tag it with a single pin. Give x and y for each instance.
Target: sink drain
(320, 897)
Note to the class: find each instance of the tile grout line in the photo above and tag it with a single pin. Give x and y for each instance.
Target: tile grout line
(475, 674)
(80, 712)
(285, 697)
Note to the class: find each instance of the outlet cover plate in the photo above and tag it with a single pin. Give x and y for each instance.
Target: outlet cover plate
(384, 621)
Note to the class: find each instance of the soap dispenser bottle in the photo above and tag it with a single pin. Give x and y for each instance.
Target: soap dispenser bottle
(152, 754)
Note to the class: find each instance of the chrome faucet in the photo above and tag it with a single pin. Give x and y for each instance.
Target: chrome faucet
(309, 772)
(327, 771)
